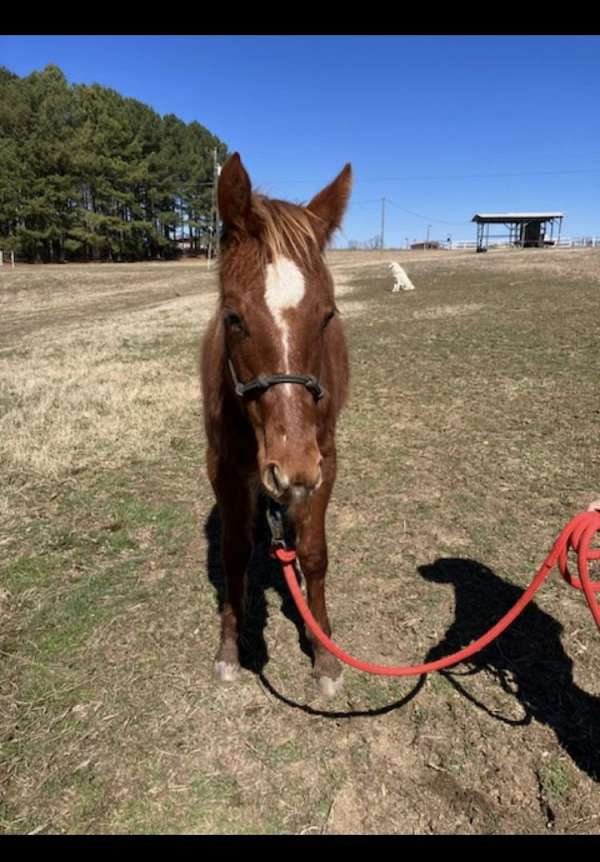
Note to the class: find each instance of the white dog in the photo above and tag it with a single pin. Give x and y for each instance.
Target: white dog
(401, 280)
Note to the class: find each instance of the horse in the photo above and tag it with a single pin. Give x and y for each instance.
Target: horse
(275, 375)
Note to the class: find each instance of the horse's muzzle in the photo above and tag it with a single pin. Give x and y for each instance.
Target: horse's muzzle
(290, 489)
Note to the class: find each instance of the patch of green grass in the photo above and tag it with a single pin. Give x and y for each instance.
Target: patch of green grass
(146, 816)
(14, 823)
(91, 795)
(213, 789)
(62, 625)
(276, 755)
(556, 779)
(26, 572)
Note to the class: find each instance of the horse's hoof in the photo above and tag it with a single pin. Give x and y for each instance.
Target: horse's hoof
(226, 672)
(330, 687)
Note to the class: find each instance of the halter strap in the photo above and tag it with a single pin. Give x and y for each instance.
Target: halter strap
(265, 381)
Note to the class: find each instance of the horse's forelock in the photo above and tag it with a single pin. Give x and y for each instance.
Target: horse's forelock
(285, 228)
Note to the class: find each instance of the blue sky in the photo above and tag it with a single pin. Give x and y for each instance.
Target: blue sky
(424, 121)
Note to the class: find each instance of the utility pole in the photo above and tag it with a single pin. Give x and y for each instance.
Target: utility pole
(216, 172)
(427, 241)
(382, 222)
(215, 211)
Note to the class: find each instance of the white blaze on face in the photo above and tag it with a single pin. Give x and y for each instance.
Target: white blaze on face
(284, 290)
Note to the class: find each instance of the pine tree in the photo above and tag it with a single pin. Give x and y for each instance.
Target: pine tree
(86, 174)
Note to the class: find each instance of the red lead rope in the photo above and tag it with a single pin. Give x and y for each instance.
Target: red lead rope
(577, 535)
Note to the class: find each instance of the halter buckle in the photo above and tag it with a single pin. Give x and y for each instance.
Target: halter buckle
(275, 522)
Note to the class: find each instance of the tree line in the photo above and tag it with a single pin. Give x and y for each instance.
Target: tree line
(89, 175)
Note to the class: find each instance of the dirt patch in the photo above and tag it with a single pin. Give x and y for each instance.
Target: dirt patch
(345, 817)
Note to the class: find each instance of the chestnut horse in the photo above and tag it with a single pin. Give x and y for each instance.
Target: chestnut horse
(274, 379)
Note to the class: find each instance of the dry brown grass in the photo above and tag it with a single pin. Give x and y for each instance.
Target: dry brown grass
(67, 377)
(75, 401)
(460, 442)
(448, 311)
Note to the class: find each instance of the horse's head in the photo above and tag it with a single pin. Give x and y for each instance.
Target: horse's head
(278, 316)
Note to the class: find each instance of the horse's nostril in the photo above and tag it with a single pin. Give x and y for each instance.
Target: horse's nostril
(274, 479)
(275, 476)
(293, 486)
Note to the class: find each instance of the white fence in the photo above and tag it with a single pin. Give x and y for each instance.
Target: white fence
(579, 242)
(564, 242)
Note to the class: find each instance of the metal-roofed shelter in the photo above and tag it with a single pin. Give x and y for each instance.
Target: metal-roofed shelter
(528, 230)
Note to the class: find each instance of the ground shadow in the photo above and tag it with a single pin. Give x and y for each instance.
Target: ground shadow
(348, 713)
(528, 659)
(265, 573)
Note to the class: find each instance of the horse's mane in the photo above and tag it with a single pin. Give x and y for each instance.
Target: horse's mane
(283, 227)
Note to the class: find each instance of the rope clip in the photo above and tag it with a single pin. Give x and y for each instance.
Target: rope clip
(275, 522)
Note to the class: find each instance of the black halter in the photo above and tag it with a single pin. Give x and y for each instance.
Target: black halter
(265, 381)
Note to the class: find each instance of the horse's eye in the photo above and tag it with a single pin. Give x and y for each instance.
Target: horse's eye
(327, 318)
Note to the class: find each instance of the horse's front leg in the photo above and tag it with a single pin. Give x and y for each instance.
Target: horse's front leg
(237, 502)
(311, 550)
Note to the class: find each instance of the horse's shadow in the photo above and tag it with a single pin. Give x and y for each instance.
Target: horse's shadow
(263, 573)
(528, 659)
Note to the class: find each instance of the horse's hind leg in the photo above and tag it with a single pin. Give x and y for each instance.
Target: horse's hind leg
(236, 507)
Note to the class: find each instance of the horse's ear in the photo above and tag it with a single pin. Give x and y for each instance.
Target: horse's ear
(330, 204)
(234, 193)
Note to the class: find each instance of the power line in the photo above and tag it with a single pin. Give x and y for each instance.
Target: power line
(429, 218)
(480, 176)
(411, 212)
(437, 177)
(361, 203)
(452, 176)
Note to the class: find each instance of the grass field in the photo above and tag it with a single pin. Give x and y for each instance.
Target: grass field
(471, 437)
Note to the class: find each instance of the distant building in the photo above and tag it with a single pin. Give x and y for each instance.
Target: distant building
(432, 243)
(528, 230)
(188, 248)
